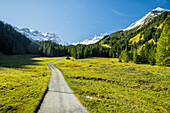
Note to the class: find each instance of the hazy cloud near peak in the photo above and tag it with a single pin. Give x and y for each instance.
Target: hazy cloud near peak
(161, 1)
(118, 13)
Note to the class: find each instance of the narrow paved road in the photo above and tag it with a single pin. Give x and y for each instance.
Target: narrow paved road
(59, 97)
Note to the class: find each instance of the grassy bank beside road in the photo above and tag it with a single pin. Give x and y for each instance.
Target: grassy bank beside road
(105, 85)
(23, 81)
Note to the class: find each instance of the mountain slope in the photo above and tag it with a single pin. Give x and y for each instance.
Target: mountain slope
(146, 18)
(140, 43)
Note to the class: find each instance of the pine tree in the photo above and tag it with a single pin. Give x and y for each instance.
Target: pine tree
(110, 53)
(135, 56)
(113, 55)
(163, 45)
(151, 56)
(85, 52)
(49, 51)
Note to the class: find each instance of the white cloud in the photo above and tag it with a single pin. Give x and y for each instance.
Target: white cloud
(119, 13)
(161, 1)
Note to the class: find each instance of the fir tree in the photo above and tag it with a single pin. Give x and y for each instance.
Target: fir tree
(163, 45)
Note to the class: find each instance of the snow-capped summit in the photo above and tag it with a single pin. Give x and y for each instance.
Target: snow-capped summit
(150, 15)
(158, 9)
(91, 40)
(36, 35)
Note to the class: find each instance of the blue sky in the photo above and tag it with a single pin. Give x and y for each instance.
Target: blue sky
(75, 20)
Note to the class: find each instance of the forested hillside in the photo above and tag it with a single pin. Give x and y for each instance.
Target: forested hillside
(149, 43)
(140, 44)
(11, 41)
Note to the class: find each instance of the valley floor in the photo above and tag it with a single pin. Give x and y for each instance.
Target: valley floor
(101, 84)
(23, 81)
(105, 85)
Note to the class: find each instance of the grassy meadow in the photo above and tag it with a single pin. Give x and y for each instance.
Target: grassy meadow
(23, 81)
(103, 85)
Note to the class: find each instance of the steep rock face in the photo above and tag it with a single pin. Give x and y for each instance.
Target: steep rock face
(36, 35)
(91, 40)
(150, 15)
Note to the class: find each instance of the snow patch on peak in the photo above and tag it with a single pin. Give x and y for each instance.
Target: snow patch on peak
(91, 40)
(158, 9)
(44, 34)
(31, 30)
(153, 13)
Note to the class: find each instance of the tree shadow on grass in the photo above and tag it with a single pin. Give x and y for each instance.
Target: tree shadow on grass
(16, 61)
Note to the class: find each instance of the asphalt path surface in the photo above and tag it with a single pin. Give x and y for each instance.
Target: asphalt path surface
(59, 98)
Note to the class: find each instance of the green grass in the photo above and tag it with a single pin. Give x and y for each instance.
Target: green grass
(118, 87)
(106, 45)
(23, 81)
(136, 38)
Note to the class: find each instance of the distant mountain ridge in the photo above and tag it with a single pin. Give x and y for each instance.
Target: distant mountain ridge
(147, 18)
(91, 40)
(36, 35)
